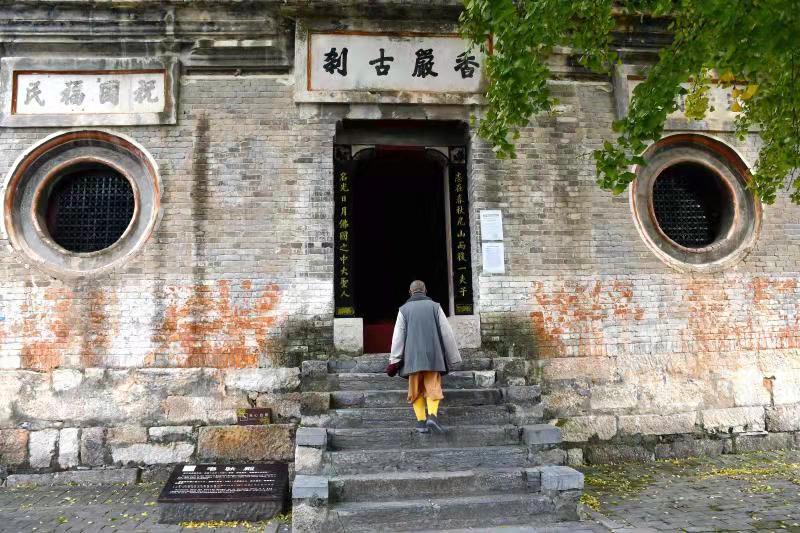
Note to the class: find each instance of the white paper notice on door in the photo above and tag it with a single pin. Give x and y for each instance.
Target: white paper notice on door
(491, 225)
(494, 258)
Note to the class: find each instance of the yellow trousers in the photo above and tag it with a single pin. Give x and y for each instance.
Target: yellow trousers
(425, 391)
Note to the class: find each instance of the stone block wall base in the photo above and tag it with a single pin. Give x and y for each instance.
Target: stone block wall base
(175, 513)
(680, 446)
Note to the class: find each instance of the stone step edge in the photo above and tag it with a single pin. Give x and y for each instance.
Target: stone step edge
(508, 394)
(442, 450)
(530, 434)
(346, 410)
(539, 479)
(388, 505)
(346, 431)
(570, 479)
(445, 390)
(412, 475)
(454, 373)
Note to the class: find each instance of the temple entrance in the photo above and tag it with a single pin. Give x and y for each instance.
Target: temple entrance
(400, 234)
(401, 212)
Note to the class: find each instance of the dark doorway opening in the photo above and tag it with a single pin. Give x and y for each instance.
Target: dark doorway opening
(400, 232)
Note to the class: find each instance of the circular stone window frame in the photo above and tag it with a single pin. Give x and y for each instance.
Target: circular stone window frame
(36, 171)
(737, 237)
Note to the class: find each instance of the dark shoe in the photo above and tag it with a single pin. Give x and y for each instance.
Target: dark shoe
(433, 423)
(422, 427)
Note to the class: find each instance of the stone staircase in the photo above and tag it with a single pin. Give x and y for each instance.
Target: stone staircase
(361, 466)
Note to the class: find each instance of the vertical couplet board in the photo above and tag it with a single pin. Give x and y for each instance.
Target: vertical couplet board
(343, 171)
(459, 231)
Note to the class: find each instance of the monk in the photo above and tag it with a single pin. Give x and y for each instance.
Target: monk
(423, 350)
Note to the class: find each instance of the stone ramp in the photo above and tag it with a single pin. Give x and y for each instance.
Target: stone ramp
(361, 466)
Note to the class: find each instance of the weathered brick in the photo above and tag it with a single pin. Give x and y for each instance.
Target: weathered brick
(42, 447)
(247, 443)
(783, 417)
(583, 428)
(733, 420)
(68, 447)
(13, 446)
(153, 454)
(658, 424)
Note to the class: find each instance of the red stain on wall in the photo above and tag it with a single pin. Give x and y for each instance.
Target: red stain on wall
(213, 329)
(763, 288)
(572, 317)
(98, 330)
(767, 318)
(700, 316)
(46, 329)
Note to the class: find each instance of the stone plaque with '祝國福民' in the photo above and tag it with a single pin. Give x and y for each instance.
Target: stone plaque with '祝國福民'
(224, 492)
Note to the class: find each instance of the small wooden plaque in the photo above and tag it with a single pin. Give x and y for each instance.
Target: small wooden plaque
(254, 416)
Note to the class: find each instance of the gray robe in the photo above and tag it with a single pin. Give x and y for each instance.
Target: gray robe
(423, 339)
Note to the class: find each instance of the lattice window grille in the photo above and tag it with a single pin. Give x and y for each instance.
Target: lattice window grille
(90, 210)
(687, 206)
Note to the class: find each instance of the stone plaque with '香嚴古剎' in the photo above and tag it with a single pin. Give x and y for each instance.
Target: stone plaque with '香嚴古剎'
(224, 492)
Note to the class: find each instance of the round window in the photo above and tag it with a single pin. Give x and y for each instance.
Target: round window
(88, 209)
(691, 203)
(80, 203)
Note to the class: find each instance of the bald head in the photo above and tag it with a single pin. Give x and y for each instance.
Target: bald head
(417, 287)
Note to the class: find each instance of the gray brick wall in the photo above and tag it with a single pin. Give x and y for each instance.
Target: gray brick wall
(239, 274)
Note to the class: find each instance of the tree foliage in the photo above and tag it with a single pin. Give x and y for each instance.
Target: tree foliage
(750, 46)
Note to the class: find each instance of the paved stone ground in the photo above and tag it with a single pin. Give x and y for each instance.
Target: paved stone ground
(750, 492)
(94, 509)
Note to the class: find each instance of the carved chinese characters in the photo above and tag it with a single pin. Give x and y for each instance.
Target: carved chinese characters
(388, 62)
(47, 93)
(343, 241)
(460, 232)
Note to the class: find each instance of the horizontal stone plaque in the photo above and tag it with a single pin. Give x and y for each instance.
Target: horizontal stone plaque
(393, 62)
(719, 117)
(79, 92)
(224, 492)
(42, 93)
(387, 66)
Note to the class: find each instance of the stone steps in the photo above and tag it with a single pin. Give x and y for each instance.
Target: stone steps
(442, 513)
(408, 438)
(463, 379)
(394, 398)
(436, 459)
(399, 485)
(496, 464)
(375, 417)
(376, 363)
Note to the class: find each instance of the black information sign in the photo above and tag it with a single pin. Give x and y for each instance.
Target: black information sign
(226, 483)
(459, 231)
(343, 167)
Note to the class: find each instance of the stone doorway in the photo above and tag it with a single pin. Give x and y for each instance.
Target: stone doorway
(401, 213)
